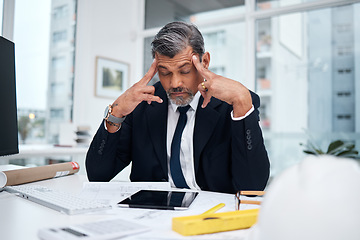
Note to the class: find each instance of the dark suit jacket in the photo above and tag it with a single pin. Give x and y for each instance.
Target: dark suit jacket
(228, 155)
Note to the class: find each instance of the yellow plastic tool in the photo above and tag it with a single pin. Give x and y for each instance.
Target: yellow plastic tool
(210, 222)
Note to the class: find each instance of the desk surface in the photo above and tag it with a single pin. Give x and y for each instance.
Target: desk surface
(21, 219)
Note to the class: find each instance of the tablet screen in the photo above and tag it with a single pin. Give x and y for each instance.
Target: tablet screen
(159, 200)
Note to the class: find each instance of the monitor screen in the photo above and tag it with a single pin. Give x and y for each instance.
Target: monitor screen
(9, 143)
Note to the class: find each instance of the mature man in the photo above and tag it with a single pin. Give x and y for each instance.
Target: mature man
(220, 148)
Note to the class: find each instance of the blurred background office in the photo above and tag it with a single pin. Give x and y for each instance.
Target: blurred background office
(73, 57)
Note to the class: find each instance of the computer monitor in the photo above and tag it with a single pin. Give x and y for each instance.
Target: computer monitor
(9, 142)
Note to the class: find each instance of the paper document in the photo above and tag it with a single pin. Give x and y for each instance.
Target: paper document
(114, 192)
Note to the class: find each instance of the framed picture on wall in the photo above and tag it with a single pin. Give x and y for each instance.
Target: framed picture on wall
(112, 77)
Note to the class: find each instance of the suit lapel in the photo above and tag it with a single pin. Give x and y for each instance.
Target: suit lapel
(157, 124)
(205, 123)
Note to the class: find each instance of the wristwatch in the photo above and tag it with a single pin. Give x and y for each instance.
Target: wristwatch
(111, 118)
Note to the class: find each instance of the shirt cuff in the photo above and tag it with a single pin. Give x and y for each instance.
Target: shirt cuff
(242, 117)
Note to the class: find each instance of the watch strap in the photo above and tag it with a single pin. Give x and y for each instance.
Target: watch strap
(111, 118)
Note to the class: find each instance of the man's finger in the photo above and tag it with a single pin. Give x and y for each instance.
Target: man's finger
(203, 71)
(148, 90)
(150, 73)
(206, 97)
(151, 98)
(148, 95)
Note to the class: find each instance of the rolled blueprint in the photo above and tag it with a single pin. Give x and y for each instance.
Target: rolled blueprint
(26, 175)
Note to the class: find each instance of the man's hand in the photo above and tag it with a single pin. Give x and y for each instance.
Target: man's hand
(225, 89)
(128, 101)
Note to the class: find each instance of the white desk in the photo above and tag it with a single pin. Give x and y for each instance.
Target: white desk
(21, 219)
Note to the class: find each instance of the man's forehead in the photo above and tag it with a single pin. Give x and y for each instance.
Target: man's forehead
(179, 59)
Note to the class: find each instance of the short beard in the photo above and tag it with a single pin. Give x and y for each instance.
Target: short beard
(180, 101)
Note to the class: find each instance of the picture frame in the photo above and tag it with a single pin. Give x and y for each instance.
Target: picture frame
(112, 77)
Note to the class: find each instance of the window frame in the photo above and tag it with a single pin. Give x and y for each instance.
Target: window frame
(7, 30)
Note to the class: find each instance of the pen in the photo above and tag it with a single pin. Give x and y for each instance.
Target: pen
(258, 193)
(250, 202)
(214, 209)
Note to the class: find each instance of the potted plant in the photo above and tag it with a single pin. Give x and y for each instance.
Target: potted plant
(337, 148)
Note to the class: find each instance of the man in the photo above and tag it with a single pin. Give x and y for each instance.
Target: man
(221, 146)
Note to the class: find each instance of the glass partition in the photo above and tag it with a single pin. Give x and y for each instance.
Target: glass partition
(306, 71)
(224, 41)
(1, 16)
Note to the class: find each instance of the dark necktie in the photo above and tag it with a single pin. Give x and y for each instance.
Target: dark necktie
(175, 167)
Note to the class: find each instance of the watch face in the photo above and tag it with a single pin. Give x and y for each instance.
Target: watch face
(106, 111)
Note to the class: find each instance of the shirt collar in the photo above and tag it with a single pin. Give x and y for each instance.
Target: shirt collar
(193, 104)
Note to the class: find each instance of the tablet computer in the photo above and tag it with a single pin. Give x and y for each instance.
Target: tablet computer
(170, 200)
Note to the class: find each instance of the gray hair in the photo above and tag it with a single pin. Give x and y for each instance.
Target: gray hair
(174, 37)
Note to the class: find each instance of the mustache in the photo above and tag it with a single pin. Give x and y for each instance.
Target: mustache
(179, 89)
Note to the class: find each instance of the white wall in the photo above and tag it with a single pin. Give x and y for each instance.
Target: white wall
(109, 29)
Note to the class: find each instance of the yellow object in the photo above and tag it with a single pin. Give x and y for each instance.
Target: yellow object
(214, 222)
(214, 209)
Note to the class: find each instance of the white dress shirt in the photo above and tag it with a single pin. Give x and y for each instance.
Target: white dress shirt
(186, 146)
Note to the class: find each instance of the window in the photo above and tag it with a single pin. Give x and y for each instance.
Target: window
(31, 54)
(1, 16)
(57, 63)
(57, 113)
(224, 42)
(216, 39)
(306, 71)
(61, 12)
(299, 56)
(44, 35)
(57, 88)
(59, 36)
